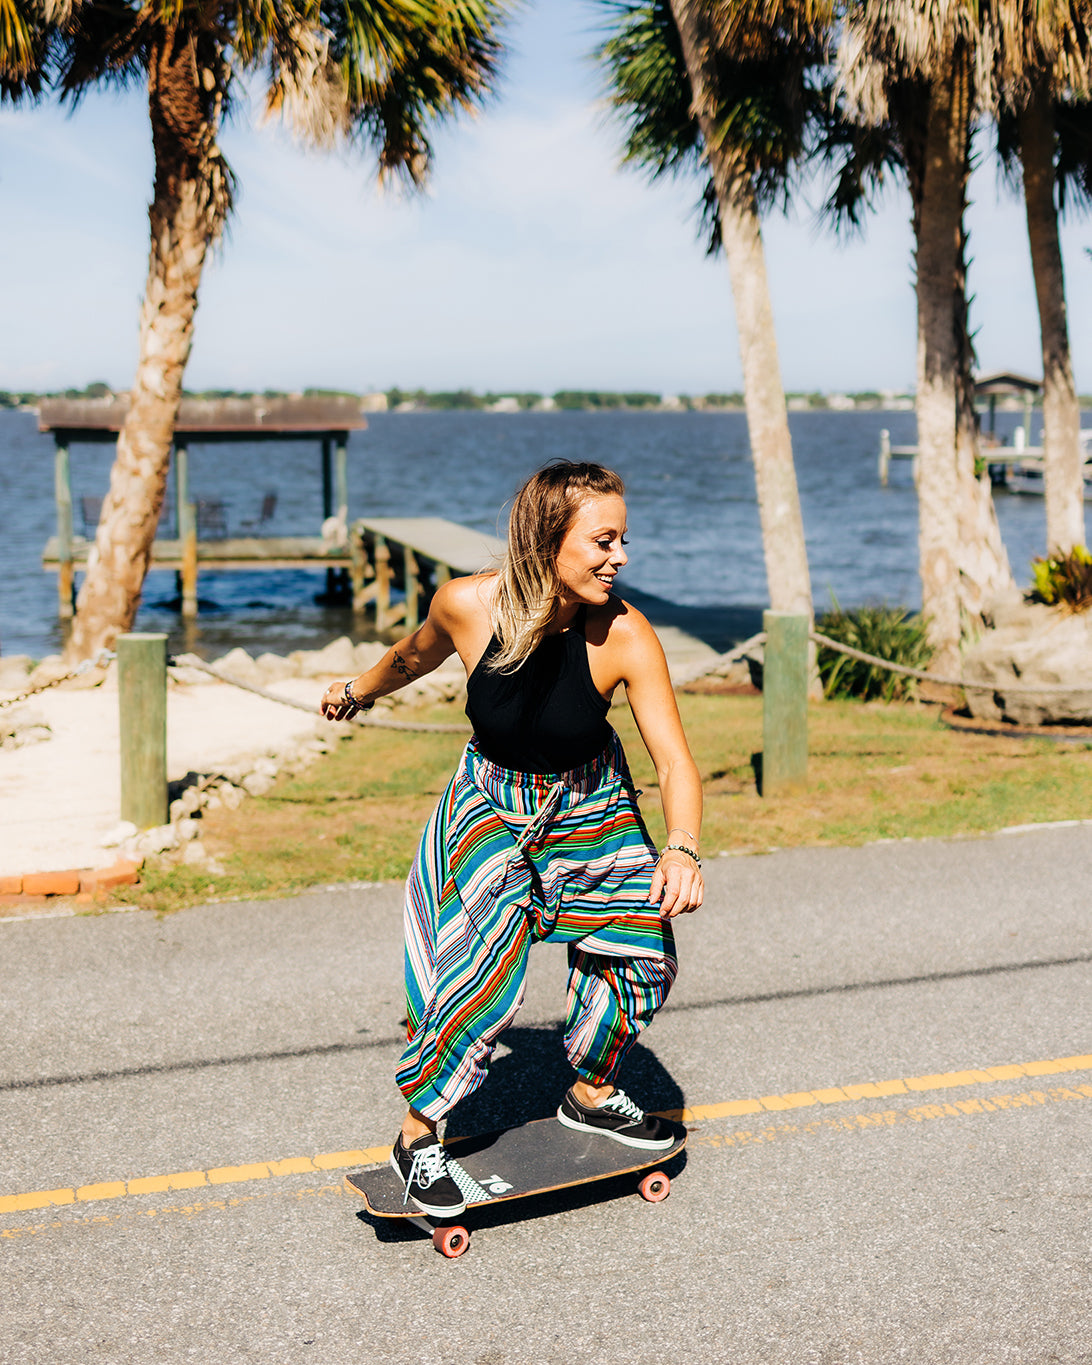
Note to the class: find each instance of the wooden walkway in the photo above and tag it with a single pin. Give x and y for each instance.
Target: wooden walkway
(394, 565)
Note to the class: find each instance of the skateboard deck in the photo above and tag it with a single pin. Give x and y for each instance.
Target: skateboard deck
(513, 1163)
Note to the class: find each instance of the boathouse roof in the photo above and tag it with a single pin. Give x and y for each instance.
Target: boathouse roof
(209, 419)
(1002, 382)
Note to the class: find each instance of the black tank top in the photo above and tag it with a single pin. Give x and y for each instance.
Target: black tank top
(545, 717)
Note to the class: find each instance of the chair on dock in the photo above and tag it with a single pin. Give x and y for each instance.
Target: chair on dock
(265, 515)
(91, 511)
(211, 519)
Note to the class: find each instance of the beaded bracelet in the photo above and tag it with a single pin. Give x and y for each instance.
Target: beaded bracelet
(350, 700)
(682, 848)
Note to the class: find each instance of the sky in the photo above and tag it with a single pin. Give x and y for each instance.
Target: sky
(532, 263)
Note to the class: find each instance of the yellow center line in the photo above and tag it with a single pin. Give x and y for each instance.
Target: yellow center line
(366, 1156)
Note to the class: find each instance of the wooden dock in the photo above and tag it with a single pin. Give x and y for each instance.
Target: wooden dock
(416, 553)
(325, 420)
(1019, 468)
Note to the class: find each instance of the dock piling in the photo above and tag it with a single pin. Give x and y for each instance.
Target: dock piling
(187, 530)
(66, 577)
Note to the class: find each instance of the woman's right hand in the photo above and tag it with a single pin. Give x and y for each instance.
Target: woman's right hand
(335, 704)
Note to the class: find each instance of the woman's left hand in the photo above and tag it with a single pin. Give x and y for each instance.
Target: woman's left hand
(677, 884)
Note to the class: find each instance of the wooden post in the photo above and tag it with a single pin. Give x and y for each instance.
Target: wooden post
(187, 529)
(413, 588)
(341, 478)
(358, 561)
(327, 480)
(784, 703)
(885, 456)
(382, 582)
(66, 578)
(142, 709)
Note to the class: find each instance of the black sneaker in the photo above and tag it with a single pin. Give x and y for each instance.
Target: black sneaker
(618, 1118)
(423, 1168)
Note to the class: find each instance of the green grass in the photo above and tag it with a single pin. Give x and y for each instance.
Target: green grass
(876, 771)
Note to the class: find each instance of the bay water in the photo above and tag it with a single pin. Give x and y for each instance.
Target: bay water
(693, 517)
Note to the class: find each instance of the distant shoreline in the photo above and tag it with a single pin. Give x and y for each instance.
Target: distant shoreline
(402, 402)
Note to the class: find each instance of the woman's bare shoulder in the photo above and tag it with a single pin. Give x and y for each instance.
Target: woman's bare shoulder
(464, 599)
(618, 622)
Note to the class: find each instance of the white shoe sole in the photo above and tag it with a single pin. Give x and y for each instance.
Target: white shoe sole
(433, 1210)
(644, 1144)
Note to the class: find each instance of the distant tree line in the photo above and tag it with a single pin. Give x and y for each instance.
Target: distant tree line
(468, 400)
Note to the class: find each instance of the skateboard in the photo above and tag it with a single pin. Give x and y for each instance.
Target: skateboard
(514, 1163)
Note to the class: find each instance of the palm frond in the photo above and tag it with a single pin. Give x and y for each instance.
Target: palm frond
(409, 64)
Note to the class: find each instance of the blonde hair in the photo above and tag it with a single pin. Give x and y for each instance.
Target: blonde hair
(525, 601)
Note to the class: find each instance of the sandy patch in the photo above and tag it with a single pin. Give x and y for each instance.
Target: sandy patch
(60, 798)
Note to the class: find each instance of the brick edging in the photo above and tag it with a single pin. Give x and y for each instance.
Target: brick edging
(88, 882)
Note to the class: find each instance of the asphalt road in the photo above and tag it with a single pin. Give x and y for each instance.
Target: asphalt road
(938, 1212)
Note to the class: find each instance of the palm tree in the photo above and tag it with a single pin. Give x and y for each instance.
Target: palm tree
(724, 84)
(909, 71)
(376, 71)
(1043, 72)
(25, 31)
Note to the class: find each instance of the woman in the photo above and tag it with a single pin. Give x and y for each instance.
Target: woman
(538, 835)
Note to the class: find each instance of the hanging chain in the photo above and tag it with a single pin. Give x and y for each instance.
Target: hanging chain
(104, 656)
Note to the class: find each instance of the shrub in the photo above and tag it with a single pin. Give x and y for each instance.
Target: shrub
(890, 633)
(1063, 580)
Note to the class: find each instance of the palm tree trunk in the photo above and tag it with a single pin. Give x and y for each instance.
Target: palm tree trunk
(984, 573)
(938, 260)
(787, 574)
(785, 552)
(189, 203)
(1063, 473)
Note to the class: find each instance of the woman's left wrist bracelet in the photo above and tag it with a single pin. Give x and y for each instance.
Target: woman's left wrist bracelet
(682, 848)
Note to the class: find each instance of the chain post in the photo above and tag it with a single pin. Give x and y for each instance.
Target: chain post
(142, 709)
(784, 703)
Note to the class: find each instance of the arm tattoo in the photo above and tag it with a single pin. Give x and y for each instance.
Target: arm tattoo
(400, 666)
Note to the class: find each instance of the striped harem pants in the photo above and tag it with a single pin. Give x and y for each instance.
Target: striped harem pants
(509, 859)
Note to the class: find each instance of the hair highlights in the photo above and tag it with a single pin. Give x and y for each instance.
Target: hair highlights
(528, 587)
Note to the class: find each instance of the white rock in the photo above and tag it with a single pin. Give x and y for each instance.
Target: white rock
(257, 784)
(336, 660)
(229, 795)
(367, 654)
(237, 663)
(158, 840)
(183, 673)
(119, 834)
(274, 667)
(21, 726)
(1032, 644)
(188, 829)
(14, 671)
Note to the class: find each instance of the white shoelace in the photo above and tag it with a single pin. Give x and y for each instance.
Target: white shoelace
(428, 1166)
(621, 1103)
(432, 1164)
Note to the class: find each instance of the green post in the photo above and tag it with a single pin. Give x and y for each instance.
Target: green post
(341, 477)
(784, 703)
(142, 707)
